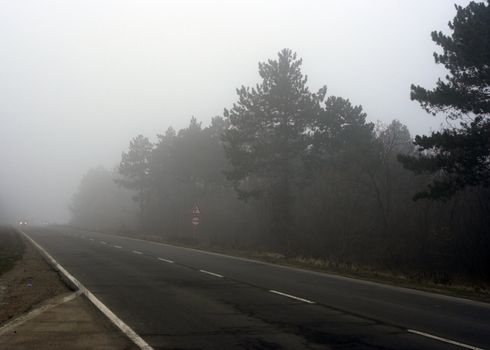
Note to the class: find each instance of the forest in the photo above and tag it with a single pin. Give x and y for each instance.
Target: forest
(302, 173)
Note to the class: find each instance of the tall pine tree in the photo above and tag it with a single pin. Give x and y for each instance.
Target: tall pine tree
(135, 171)
(458, 157)
(267, 138)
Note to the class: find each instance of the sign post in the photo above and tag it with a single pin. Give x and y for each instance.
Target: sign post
(196, 212)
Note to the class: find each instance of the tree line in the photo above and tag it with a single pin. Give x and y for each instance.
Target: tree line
(296, 171)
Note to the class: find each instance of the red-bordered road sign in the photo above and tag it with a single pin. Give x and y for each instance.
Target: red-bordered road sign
(195, 215)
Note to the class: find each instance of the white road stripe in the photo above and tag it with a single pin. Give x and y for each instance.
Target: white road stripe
(211, 273)
(292, 296)
(117, 246)
(104, 309)
(449, 341)
(91, 239)
(166, 260)
(137, 252)
(103, 242)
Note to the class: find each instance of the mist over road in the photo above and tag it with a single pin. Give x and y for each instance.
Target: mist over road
(182, 298)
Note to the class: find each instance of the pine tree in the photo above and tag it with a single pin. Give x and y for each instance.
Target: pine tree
(135, 170)
(267, 137)
(458, 157)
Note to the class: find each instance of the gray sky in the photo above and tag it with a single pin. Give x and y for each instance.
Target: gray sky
(78, 79)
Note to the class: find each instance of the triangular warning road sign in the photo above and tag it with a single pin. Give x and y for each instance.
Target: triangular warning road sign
(196, 210)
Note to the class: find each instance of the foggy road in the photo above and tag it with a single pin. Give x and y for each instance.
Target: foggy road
(182, 298)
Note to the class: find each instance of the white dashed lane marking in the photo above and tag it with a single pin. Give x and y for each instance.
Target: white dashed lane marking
(427, 335)
(449, 341)
(292, 296)
(211, 273)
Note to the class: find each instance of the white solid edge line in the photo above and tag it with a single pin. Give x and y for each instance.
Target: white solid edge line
(292, 296)
(137, 252)
(211, 273)
(104, 309)
(117, 246)
(449, 341)
(166, 260)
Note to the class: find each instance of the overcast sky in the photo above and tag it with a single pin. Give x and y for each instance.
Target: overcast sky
(78, 79)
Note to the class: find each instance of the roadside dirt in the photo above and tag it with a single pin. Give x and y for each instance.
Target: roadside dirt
(11, 249)
(30, 282)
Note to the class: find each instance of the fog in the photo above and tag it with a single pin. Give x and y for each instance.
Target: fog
(79, 79)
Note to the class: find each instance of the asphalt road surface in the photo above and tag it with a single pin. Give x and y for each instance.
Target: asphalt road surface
(178, 298)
